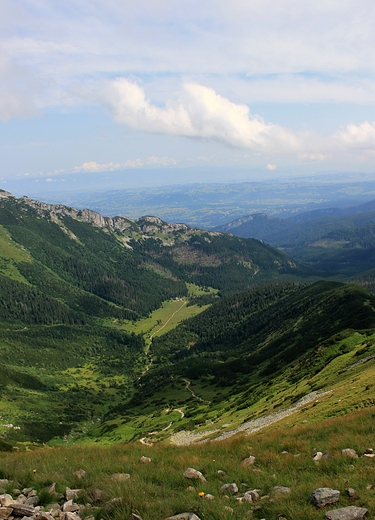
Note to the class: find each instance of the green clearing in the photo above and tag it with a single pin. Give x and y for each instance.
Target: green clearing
(164, 319)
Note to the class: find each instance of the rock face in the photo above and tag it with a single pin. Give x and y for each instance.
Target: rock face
(323, 496)
(194, 474)
(347, 513)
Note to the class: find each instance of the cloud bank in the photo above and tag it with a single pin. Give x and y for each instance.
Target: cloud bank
(199, 112)
(196, 111)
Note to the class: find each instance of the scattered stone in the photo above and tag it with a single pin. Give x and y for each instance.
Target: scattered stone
(32, 493)
(97, 495)
(232, 489)
(349, 452)
(4, 482)
(72, 494)
(323, 496)
(194, 474)
(229, 509)
(43, 516)
(351, 493)
(248, 461)
(70, 516)
(145, 460)
(70, 507)
(22, 510)
(26, 491)
(281, 490)
(190, 488)
(135, 517)
(21, 499)
(369, 451)
(208, 496)
(120, 476)
(184, 516)
(252, 495)
(81, 473)
(347, 513)
(369, 486)
(5, 512)
(284, 452)
(52, 488)
(220, 472)
(318, 455)
(16, 492)
(32, 501)
(6, 500)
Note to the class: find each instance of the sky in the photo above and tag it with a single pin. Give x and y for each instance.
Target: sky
(146, 92)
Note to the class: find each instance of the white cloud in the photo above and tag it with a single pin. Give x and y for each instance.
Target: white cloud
(271, 166)
(16, 93)
(358, 136)
(93, 166)
(197, 111)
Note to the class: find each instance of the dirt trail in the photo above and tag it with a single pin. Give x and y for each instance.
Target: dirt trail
(184, 438)
(187, 387)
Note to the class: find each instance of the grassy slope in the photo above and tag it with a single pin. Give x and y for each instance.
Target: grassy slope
(158, 489)
(306, 351)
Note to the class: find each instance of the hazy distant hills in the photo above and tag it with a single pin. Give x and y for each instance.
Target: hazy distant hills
(337, 242)
(212, 204)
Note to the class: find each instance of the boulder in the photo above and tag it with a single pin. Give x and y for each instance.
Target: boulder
(248, 461)
(346, 513)
(32, 501)
(194, 474)
(230, 489)
(22, 510)
(70, 507)
(5, 512)
(281, 490)
(6, 500)
(251, 496)
(349, 452)
(318, 455)
(323, 496)
(72, 494)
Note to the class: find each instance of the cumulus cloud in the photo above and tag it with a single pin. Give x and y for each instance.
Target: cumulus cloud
(197, 111)
(93, 166)
(361, 137)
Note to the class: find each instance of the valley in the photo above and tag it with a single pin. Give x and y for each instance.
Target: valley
(122, 338)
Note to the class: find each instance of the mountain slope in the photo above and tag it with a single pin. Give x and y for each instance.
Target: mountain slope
(248, 355)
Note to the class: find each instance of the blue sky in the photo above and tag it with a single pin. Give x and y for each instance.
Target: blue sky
(264, 86)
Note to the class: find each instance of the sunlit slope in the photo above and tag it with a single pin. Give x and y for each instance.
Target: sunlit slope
(252, 354)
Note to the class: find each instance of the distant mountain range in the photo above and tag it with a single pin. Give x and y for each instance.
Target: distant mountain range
(113, 327)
